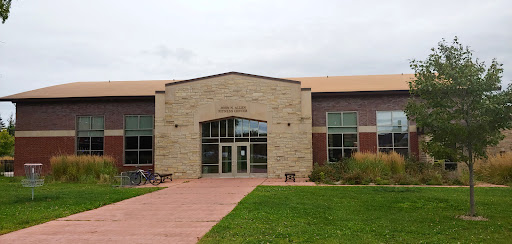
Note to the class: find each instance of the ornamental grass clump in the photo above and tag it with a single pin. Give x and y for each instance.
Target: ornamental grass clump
(364, 168)
(496, 169)
(83, 169)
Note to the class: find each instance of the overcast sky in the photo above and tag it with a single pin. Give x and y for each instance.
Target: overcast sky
(47, 42)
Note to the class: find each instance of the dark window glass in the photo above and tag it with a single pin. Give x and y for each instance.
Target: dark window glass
(335, 140)
(385, 150)
(241, 139)
(210, 169)
(258, 139)
(258, 153)
(97, 153)
(223, 128)
(401, 139)
(350, 140)
(227, 140)
(145, 157)
(210, 154)
(96, 143)
(131, 157)
(231, 127)
(402, 151)
(84, 143)
(335, 155)
(146, 142)
(215, 129)
(347, 152)
(216, 140)
(259, 168)
(385, 140)
(131, 142)
(206, 129)
(83, 153)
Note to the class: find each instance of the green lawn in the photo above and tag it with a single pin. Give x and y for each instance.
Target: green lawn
(54, 200)
(362, 214)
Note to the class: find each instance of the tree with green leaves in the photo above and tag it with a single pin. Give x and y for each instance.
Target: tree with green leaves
(5, 7)
(11, 125)
(460, 105)
(6, 144)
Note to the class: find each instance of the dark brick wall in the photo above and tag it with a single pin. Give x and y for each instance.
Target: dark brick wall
(61, 115)
(40, 150)
(365, 105)
(319, 148)
(368, 142)
(414, 146)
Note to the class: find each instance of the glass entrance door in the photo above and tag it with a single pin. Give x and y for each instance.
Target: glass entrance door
(242, 159)
(226, 159)
(235, 160)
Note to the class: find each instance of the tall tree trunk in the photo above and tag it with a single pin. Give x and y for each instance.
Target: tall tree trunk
(472, 211)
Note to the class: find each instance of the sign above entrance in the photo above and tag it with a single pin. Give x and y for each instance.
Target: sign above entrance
(232, 109)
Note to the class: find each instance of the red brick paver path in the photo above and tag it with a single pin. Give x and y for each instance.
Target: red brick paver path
(182, 213)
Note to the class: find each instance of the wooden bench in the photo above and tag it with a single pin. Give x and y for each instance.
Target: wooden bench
(289, 176)
(165, 176)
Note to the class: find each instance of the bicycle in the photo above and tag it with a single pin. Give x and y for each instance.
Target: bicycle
(141, 176)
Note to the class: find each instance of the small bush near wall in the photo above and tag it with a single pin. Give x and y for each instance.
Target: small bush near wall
(383, 169)
(496, 169)
(84, 169)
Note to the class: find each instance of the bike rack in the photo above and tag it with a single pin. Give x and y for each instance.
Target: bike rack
(124, 179)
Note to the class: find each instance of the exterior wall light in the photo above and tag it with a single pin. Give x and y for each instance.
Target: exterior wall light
(176, 125)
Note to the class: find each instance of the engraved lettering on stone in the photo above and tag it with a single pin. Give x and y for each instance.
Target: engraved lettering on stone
(232, 109)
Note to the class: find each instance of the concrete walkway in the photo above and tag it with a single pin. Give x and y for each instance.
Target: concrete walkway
(182, 213)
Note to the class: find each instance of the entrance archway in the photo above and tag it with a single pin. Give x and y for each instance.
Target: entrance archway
(234, 147)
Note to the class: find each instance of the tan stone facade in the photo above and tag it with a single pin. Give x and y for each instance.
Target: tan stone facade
(180, 110)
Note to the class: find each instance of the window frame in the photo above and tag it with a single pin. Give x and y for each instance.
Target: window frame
(342, 126)
(408, 125)
(138, 140)
(77, 130)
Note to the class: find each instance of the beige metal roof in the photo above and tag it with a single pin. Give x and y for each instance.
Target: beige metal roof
(356, 83)
(148, 87)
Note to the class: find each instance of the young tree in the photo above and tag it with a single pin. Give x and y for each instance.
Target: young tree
(11, 125)
(5, 7)
(459, 103)
(2, 124)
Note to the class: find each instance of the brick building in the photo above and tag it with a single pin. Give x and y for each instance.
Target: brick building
(226, 125)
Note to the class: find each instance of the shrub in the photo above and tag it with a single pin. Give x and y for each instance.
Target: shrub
(496, 169)
(327, 173)
(84, 169)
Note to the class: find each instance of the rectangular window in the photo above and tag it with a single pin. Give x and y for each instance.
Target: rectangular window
(393, 132)
(138, 139)
(89, 135)
(341, 135)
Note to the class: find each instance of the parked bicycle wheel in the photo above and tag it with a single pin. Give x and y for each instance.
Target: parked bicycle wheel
(155, 179)
(135, 178)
